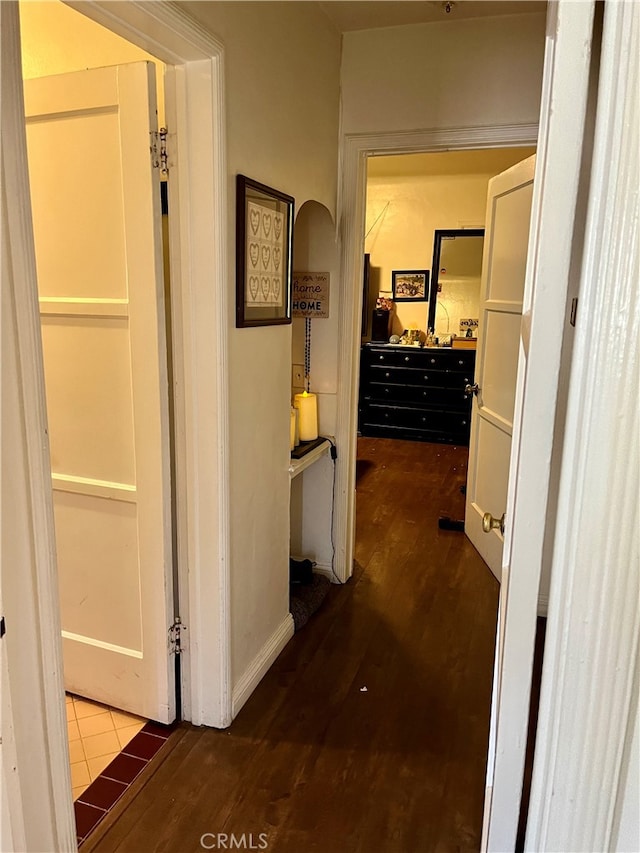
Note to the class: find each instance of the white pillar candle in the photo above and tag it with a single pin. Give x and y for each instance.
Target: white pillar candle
(307, 405)
(292, 429)
(296, 410)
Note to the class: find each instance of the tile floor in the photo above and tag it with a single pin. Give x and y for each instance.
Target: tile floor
(108, 750)
(97, 734)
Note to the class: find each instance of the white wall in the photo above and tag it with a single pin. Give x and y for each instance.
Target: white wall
(282, 94)
(433, 191)
(478, 72)
(57, 39)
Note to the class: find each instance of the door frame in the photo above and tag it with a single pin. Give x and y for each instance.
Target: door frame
(356, 149)
(586, 746)
(549, 265)
(199, 256)
(198, 248)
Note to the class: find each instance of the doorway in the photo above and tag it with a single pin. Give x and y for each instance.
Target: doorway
(415, 205)
(197, 57)
(105, 374)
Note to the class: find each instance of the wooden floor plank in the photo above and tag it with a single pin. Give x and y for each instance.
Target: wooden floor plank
(370, 731)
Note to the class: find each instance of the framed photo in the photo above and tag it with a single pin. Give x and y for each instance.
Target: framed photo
(410, 285)
(264, 237)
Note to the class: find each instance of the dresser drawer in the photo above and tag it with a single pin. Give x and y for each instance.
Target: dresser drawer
(438, 359)
(436, 420)
(433, 396)
(422, 378)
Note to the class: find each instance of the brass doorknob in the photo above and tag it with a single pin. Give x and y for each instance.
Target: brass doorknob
(471, 389)
(490, 523)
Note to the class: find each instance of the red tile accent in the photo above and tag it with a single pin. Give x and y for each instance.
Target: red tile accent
(158, 729)
(103, 793)
(86, 817)
(144, 746)
(107, 789)
(124, 768)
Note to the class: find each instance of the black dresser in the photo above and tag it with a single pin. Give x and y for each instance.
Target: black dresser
(408, 392)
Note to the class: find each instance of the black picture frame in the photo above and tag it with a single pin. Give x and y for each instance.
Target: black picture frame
(264, 248)
(410, 285)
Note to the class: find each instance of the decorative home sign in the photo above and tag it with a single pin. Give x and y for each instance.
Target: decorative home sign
(310, 296)
(264, 229)
(410, 285)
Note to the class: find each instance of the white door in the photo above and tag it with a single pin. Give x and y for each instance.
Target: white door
(502, 290)
(97, 224)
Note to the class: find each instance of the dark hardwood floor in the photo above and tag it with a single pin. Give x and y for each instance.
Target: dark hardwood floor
(370, 732)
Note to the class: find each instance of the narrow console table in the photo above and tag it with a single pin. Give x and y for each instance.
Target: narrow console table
(297, 466)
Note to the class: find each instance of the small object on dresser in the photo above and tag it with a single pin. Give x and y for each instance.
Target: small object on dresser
(380, 325)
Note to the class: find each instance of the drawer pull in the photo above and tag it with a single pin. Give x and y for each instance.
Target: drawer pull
(381, 358)
(406, 358)
(433, 361)
(387, 375)
(460, 361)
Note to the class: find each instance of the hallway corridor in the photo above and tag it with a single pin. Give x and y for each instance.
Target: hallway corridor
(369, 734)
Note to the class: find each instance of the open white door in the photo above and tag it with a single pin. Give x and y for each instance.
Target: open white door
(97, 223)
(554, 244)
(503, 275)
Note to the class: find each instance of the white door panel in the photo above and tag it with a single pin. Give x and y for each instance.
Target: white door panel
(501, 342)
(511, 208)
(81, 251)
(85, 525)
(491, 487)
(88, 359)
(97, 224)
(502, 290)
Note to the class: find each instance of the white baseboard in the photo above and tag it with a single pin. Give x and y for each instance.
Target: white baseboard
(261, 663)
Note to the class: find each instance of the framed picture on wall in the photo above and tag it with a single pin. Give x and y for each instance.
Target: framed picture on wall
(410, 285)
(264, 237)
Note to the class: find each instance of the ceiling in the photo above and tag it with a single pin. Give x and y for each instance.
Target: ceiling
(366, 15)
(487, 161)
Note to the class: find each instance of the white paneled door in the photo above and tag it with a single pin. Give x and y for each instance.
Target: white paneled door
(502, 290)
(97, 223)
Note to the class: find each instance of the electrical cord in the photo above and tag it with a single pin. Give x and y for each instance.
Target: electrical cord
(334, 456)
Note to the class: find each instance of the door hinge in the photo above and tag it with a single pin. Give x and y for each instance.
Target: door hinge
(176, 642)
(159, 155)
